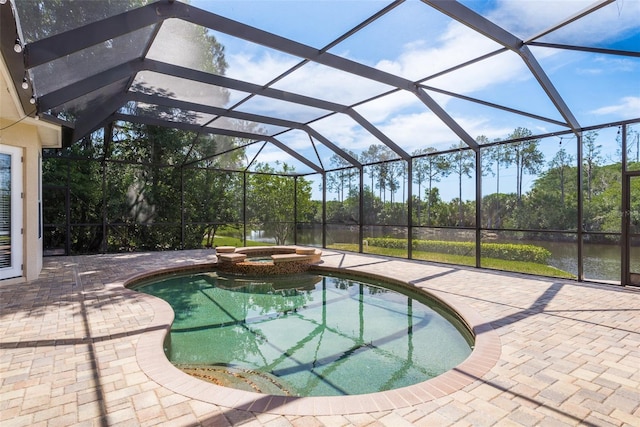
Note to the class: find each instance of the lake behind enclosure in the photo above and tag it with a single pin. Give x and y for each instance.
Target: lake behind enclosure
(601, 262)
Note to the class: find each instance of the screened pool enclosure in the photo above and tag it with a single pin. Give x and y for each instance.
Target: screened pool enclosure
(502, 135)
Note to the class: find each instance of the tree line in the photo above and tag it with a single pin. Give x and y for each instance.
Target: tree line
(549, 204)
(157, 202)
(157, 188)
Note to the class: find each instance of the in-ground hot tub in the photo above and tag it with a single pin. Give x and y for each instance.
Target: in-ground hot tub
(267, 260)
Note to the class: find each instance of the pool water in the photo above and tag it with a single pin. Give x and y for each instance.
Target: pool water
(307, 334)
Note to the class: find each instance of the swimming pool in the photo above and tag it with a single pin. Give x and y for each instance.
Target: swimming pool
(307, 334)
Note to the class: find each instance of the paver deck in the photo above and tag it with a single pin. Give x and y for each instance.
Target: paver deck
(75, 346)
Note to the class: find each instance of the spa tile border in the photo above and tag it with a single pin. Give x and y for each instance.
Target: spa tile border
(150, 356)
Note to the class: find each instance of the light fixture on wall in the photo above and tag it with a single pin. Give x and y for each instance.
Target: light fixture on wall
(18, 46)
(3, 1)
(32, 100)
(25, 82)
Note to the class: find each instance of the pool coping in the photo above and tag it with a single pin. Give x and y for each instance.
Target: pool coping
(153, 362)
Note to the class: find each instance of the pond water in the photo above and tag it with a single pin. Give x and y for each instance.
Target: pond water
(601, 262)
(307, 335)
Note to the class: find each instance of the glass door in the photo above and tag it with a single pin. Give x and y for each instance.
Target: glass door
(10, 212)
(631, 271)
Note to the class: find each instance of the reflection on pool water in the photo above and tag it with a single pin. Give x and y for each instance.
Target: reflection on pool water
(306, 334)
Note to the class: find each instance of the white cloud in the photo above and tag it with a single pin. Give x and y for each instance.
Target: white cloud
(458, 44)
(330, 84)
(486, 126)
(629, 106)
(528, 18)
(616, 64)
(379, 110)
(258, 69)
(297, 140)
(590, 71)
(344, 132)
(402, 116)
(413, 131)
(281, 109)
(417, 60)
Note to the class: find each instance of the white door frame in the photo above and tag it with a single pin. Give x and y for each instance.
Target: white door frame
(15, 267)
(629, 276)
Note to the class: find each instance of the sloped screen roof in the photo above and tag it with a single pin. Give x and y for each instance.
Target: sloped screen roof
(317, 78)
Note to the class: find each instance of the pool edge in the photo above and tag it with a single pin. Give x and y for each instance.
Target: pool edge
(153, 362)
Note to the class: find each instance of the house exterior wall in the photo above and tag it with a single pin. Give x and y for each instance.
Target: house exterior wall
(31, 135)
(27, 138)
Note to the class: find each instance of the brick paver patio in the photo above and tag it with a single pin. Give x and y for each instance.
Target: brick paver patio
(77, 348)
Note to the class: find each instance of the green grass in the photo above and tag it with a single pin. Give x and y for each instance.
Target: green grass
(493, 263)
(497, 264)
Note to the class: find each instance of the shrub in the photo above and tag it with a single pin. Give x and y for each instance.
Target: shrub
(387, 242)
(515, 252)
(506, 251)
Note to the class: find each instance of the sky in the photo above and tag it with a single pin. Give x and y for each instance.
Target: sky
(415, 41)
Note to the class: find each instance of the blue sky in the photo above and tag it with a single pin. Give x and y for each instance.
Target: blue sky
(415, 41)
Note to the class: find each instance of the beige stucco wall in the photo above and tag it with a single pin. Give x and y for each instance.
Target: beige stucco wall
(27, 137)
